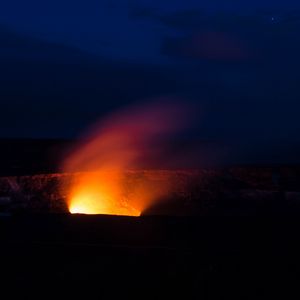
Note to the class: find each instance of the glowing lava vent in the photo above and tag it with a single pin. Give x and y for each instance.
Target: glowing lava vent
(126, 140)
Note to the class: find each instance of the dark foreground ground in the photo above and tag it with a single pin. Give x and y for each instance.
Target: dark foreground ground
(150, 257)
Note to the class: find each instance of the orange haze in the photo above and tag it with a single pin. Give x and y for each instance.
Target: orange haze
(119, 143)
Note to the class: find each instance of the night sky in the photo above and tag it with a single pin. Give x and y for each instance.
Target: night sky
(66, 63)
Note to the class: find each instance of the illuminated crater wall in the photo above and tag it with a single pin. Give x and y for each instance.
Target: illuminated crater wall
(185, 192)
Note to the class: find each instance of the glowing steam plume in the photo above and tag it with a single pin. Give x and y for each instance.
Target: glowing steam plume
(124, 141)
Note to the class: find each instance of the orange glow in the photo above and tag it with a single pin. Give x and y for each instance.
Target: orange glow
(99, 193)
(122, 142)
(89, 205)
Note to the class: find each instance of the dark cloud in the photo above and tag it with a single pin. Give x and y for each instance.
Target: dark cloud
(51, 90)
(142, 12)
(207, 45)
(16, 46)
(195, 19)
(235, 37)
(185, 19)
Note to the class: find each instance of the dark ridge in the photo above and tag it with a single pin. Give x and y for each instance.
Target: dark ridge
(31, 156)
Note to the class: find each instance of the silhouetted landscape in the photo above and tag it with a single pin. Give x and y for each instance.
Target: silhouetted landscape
(149, 149)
